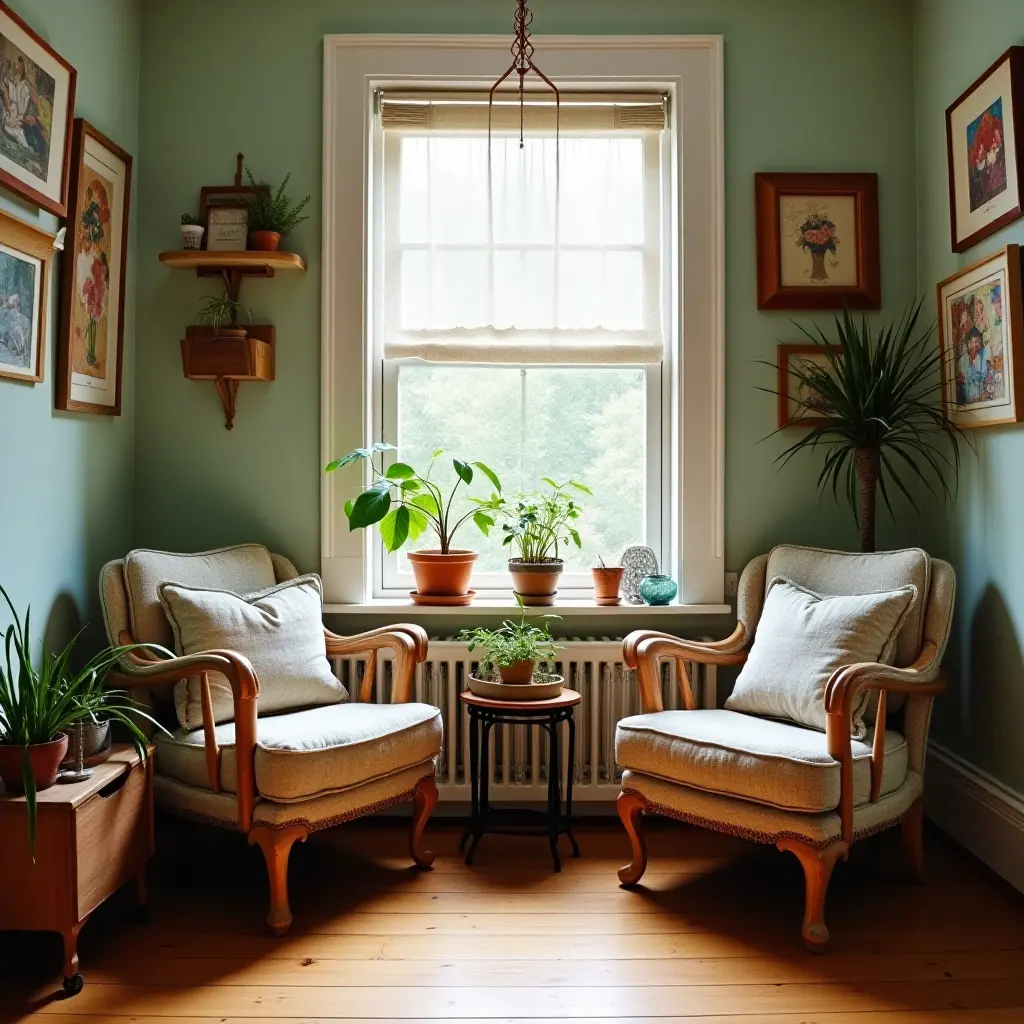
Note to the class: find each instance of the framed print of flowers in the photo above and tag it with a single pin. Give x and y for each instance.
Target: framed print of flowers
(985, 147)
(980, 331)
(26, 258)
(89, 353)
(817, 241)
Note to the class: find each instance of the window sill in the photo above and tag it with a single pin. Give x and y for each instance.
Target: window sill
(567, 608)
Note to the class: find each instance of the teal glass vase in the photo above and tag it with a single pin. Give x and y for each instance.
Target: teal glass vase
(658, 589)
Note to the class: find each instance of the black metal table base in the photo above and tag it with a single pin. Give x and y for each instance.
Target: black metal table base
(552, 822)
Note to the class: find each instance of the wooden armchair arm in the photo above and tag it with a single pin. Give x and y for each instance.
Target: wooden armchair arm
(923, 678)
(642, 649)
(135, 671)
(407, 642)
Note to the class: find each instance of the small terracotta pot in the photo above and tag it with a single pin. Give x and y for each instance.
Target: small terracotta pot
(45, 759)
(264, 241)
(517, 672)
(535, 582)
(440, 575)
(607, 580)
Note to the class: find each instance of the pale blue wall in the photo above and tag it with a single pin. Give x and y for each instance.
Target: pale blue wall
(954, 42)
(66, 478)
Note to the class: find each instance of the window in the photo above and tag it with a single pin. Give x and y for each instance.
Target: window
(520, 306)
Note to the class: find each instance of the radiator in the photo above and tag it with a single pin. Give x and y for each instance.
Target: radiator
(519, 762)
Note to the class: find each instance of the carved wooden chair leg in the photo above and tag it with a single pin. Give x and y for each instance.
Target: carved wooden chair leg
(631, 813)
(912, 830)
(73, 981)
(817, 865)
(424, 799)
(276, 844)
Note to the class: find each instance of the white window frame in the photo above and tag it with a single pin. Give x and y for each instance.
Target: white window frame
(689, 69)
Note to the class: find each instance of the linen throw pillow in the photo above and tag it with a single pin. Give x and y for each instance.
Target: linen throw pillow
(802, 638)
(280, 630)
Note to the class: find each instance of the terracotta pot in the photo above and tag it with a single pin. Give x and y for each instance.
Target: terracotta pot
(264, 241)
(607, 580)
(439, 575)
(517, 672)
(45, 759)
(535, 582)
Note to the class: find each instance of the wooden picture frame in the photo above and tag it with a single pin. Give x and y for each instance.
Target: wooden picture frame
(90, 350)
(817, 241)
(790, 404)
(37, 86)
(227, 227)
(26, 262)
(985, 151)
(981, 339)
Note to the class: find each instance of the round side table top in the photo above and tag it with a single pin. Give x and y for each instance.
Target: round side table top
(566, 699)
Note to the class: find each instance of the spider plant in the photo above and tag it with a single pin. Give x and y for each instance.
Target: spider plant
(38, 703)
(222, 312)
(878, 414)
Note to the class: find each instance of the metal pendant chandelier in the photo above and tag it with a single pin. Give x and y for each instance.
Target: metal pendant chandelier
(522, 65)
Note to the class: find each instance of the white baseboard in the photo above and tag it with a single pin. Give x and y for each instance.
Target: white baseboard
(978, 811)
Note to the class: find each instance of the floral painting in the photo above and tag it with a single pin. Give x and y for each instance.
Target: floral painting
(19, 313)
(92, 277)
(978, 345)
(818, 239)
(986, 176)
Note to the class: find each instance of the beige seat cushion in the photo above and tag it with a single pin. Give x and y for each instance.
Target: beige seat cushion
(280, 630)
(308, 753)
(758, 759)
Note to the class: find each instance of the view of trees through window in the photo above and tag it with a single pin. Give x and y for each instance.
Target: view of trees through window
(580, 423)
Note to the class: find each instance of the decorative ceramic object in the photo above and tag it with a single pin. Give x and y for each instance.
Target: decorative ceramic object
(192, 236)
(493, 690)
(658, 589)
(637, 562)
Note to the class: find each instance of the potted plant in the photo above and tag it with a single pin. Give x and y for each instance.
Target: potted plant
(514, 648)
(535, 525)
(878, 414)
(406, 503)
(192, 231)
(271, 215)
(607, 581)
(39, 705)
(218, 318)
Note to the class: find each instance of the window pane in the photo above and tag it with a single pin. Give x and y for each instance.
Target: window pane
(586, 424)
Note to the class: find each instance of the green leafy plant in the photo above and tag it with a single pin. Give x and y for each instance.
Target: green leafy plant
(272, 211)
(513, 641)
(38, 703)
(191, 218)
(536, 523)
(878, 396)
(222, 312)
(407, 503)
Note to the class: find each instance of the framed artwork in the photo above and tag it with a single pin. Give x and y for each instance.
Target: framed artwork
(817, 241)
(799, 406)
(227, 226)
(980, 325)
(26, 260)
(89, 351)
(37, 103)
(985, 146)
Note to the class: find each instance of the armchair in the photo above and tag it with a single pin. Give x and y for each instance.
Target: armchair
(807, 792)
(275, 778)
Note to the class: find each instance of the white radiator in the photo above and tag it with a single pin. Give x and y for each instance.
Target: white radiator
(519, 768)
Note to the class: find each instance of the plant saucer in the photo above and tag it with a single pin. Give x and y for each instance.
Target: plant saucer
(492, 689)
(449, 600)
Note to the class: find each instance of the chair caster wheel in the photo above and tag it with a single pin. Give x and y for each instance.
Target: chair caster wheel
(73, 985)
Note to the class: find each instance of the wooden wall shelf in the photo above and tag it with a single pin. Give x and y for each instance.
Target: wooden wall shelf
(248, 262)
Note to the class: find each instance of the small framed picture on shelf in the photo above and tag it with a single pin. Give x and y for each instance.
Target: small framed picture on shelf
(227, 226)
(980, 331)
(26, 258)
(797, 404)
(817, 241)
(985, 147)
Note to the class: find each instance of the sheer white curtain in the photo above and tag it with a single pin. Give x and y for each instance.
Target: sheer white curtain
(549, 252)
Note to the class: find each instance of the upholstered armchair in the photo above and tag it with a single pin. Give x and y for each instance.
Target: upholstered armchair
(277, 776)
(809, 791)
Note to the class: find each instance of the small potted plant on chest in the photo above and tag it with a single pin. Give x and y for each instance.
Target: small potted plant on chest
(407, 504)
(271, 215)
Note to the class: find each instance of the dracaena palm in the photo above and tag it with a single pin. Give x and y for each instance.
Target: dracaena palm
(879, 415)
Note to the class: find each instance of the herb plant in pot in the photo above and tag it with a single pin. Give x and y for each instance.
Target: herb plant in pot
(39, 705)
(271, 215)
(514, 648)
(192, 231)
(406, 504)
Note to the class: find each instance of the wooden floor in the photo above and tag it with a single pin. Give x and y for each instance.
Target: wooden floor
(713, 935)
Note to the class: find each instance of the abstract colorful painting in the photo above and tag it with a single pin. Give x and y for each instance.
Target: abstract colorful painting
(986, 153)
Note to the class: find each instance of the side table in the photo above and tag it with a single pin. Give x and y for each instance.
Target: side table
(91, 838)
(549, 715)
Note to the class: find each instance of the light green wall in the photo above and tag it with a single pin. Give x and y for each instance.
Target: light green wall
(810, 85)
(954, 42)
(66, 478)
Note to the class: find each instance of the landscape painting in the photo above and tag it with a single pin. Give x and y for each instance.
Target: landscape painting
(20, 279)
